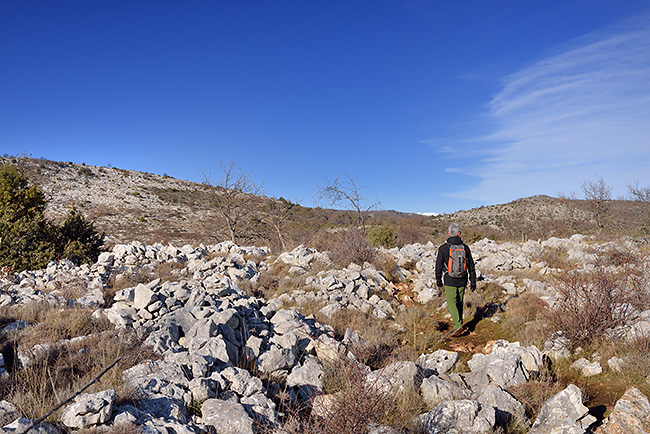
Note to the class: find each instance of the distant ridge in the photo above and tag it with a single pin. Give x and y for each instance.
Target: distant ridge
(130, 205)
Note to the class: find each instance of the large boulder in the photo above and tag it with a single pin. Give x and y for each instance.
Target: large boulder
(631, 415)
(506, 406)
(435, 390)
(20, 425)
(227, 417)
(395, 378)
(564, 413)
(506, 370)
(308, 378)
(276, 359)
(531, 357)
(89, 409)
(457, 417)
(440, 362)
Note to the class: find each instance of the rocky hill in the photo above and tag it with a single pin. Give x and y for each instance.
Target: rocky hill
(150, 208)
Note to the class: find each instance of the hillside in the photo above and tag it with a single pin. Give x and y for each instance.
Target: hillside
(130, 205)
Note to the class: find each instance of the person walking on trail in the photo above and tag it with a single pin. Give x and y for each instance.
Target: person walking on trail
(455, 261)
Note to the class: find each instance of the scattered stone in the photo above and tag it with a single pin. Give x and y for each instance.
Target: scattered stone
(435, 390)
(226, 417)
(616, 364)
(440, 362)
(587, 368)
(201, 322)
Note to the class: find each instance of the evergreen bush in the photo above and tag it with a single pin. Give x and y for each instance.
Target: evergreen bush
(382, 236)
(27, 239)
(25, 235)
(78, 239)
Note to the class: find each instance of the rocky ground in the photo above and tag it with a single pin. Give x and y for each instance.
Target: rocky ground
(226, 359)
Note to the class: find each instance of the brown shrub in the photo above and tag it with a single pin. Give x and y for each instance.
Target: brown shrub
(353, 408)
(413, 230)
(380, 339)
(351, 246)
(637, 359)
(355, 403)
(589, 304)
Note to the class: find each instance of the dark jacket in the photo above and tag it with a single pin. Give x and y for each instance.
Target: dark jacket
(443, 259)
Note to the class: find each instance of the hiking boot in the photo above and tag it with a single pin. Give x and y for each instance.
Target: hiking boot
(457, 332)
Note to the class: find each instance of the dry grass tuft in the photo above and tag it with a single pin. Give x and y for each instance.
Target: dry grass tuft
(423, 332)
(535, 392)
(388, 265)
(554, 257)
(523, 320)
(637, 359)
(167, 271)
(60, 353)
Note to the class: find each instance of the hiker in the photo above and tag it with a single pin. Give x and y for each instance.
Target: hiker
(455, 260)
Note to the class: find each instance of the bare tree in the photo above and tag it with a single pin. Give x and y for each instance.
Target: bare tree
(641, 195)
(637, 193)
(345, 192)
(235, 197)
(599, 193)
(276, 213)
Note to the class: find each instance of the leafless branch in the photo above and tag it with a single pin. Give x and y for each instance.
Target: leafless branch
(235, 197)
(346, 193)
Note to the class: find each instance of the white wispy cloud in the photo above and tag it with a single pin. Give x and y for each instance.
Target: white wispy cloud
(581, 113)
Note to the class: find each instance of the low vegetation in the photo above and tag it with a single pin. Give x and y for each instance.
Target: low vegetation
(590, 305)
(59, 365)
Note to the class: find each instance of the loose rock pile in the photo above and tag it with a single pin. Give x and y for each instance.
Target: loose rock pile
(236, 356)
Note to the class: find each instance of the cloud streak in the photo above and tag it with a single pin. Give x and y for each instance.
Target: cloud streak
(580, 113)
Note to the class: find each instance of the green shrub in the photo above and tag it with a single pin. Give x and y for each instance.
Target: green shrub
(27, 239)
(84, 171)
(472, 236)
(382, 236)
(78, 238)
(25, 235)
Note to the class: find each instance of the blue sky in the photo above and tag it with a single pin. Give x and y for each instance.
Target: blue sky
(430, 106)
